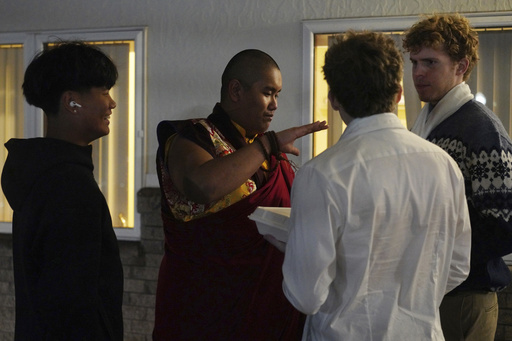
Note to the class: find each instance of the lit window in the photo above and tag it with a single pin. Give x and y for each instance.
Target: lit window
(118, 174)
(11, 106)
(321, 106)
(490, 79)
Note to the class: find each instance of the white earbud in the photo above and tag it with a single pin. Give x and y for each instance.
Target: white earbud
(74, 104)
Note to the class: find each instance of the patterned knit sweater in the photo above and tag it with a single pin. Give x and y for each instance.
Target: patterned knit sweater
(477, 140)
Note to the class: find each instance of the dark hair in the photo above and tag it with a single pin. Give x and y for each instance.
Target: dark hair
(71, 65)
(451, 33)
(363, 71)
(247, 67)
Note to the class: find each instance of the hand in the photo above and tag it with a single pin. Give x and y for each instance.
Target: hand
(287, 137)
(281, 246)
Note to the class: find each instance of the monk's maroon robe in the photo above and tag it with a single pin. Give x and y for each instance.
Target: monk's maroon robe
(219, 279)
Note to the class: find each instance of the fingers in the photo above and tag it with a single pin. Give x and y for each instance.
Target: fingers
(312, 127)
(287, 137)
(318, 125)
(306, 129)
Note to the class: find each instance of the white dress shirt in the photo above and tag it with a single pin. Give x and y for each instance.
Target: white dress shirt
(379, 234)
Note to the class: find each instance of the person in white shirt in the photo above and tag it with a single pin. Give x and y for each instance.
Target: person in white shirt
(379, 225)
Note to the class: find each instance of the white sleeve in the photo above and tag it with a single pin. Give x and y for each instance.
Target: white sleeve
(460, 264)
(310, 258)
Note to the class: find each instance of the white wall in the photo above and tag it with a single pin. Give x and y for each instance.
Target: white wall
(190, 41)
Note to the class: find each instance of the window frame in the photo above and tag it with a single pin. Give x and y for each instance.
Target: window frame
(388, 24)
(396, 23)
(33, 42)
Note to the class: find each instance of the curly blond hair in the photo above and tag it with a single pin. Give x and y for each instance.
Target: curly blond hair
(449, 32)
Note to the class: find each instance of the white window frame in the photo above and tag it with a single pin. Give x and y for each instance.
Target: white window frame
(33, 42)
(388, 24)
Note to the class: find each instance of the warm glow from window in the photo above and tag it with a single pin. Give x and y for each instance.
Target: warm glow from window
(114, 154)
(321, 101)
(123, 214)
(11, 107)
(489, 81)
(117, 157)
(321, 106)
(127, 219)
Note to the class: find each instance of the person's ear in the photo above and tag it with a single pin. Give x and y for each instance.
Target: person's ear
(399, 94)
(235, 90)
(69, 103)
(334, 102)
(462, 66)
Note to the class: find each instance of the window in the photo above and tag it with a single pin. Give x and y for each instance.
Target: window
(11, 105)
(491, 80)
(321, 107)
(115, 156)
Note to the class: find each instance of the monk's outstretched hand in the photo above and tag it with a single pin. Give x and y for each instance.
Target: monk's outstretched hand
(287, 137)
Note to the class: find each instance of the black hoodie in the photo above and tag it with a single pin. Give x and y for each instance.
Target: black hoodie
(67, 270)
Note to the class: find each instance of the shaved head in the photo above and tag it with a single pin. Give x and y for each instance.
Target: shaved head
(247, 67)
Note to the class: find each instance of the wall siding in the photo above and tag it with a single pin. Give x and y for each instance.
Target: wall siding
(190, 42)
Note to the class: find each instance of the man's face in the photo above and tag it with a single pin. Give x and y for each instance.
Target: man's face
(96, 108)
(259, 102)
(434, 74)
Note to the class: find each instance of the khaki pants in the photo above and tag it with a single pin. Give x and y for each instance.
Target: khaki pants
(469, 316)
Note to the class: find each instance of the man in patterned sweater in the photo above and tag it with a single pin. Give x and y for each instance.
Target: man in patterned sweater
(443, 51)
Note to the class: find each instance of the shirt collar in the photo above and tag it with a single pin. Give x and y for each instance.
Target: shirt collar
(362, 125)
